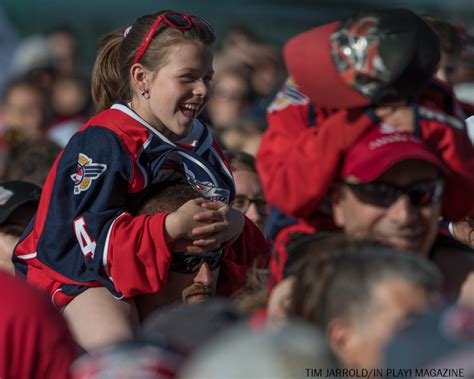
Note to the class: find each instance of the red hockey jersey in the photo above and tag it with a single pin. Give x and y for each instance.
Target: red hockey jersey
(302, 149)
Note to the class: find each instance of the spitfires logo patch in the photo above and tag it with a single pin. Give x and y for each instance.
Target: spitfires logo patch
(207, 189)
(86, 172)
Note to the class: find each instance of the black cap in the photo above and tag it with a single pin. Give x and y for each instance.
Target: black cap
(14, 194)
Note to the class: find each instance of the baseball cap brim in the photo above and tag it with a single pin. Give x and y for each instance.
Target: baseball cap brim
(309, 62)
(14, 194)
(370, 58)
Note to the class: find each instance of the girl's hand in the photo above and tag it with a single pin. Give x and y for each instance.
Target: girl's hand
(180, 224)
(223, 224)
(184, 245)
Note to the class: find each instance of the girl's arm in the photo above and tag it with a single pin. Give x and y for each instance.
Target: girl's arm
(82, 234)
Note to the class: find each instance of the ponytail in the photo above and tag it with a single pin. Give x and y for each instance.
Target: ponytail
(111, 73)
(108, 85)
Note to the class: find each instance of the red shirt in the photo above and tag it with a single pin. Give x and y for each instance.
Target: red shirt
(34, 339)
(302, 149)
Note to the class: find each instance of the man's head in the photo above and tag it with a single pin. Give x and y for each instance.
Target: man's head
(249, 197)
(360, 293)
(451, 47)
(18, 203)
(191, 278)
(390, 190)
(24, 109)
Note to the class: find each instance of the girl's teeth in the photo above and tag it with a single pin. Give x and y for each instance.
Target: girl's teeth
(190, 110)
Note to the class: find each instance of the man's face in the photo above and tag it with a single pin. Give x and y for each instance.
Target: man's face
(447, 67)
(189, 288)
(279, 302)
(249, 197)
(393, 302)
(23, 111)
(402, 225)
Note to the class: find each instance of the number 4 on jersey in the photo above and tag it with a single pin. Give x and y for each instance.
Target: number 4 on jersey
(86, 243)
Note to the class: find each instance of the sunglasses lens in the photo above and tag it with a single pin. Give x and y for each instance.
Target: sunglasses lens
(426, 193)
(190, 263)
(419, 196)
(177, 20)
(375, 193)
(214, 261)
(203, 24)
(384, 195)
(186, 263)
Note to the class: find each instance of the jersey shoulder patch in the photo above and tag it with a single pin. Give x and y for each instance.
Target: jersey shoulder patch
(288, 95)
(86, 172)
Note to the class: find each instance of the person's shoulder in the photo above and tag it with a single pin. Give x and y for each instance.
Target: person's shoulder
(288, 96)
(115, 124)
(109, 118)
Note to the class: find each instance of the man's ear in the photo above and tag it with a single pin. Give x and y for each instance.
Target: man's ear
(140, 77)
(337, 197)
(339, 335)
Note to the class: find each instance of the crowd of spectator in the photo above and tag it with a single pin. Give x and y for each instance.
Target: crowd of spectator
(345, 245)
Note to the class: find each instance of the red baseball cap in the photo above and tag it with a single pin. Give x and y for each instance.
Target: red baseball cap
(366, 59)
(380, 149)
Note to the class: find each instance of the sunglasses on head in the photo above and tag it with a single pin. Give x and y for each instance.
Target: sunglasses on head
(175, 20)
(188, 263)
(384, 194)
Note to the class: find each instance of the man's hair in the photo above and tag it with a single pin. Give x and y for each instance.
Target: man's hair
(240, 160)
(449, 36)
(29, 160)
(166, 197)
(28, 83)
(338, 276)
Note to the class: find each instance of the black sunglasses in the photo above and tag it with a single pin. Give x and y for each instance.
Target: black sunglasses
(384, 194)
(188, 263)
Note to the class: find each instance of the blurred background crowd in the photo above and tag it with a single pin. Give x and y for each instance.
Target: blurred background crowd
(47, 52)
(46, 56)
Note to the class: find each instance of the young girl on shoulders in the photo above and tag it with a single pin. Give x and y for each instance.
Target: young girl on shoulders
(150, 82)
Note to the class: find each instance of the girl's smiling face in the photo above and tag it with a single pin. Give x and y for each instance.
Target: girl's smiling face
(179, 90)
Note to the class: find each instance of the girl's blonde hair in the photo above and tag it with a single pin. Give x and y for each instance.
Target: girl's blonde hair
(117, 50)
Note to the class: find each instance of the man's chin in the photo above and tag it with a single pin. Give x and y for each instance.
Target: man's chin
(197, 298)
(405, 244)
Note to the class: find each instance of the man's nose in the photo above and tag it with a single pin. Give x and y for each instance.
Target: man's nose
(204, 275)
(403, 212)
(253, 213)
